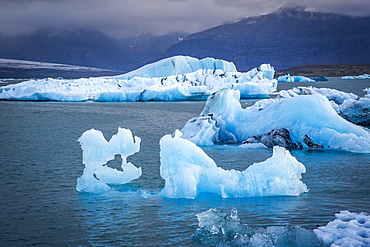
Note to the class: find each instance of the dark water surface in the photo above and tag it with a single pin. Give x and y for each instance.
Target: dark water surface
(40, 161)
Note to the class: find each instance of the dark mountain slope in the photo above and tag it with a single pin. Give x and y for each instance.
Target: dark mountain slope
(80, 47)
(284, 38)
(87, 48)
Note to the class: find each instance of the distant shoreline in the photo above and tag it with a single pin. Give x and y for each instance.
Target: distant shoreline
(329, 70)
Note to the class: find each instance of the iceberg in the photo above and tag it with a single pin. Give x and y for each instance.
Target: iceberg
(223, 120)
(336, 96)
(188, 171)
(176, 78)
(97, 151)
(216, 228)
(357, 111)
(364, 76)
(347, 105)
(178, 65)
(348, 229)
(289, 78)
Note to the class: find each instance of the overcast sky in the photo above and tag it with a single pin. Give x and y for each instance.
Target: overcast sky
(128, 17)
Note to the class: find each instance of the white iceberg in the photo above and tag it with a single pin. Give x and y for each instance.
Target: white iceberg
(176, 78)
(302, 115)
(178, 65)
(297, 78)
(97, 151)
(348, 229)
(364, 76)
(347, 105)
(336, 96)
(189, 171)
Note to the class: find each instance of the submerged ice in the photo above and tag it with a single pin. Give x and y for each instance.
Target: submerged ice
(175, 78)
(97, 151)
(216, 228)
(189, 171)
(223, 120)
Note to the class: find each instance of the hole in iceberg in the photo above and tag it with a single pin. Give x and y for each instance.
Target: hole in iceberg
(115, 163)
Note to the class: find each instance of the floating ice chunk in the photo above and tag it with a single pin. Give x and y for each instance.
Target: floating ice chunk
(252, 145)
(302, 115)
(348, 229)
(216, 228)
(219, 223)
(364, 76)
(289, 78)
(97, 151)
(189, 171)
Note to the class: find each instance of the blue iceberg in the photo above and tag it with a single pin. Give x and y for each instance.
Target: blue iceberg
(188, 171)
(223, 120)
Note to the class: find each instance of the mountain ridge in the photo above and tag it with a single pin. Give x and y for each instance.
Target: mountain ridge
(284, 38)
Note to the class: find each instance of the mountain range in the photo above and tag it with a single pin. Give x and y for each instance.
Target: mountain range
(86, 47)
(284, 38)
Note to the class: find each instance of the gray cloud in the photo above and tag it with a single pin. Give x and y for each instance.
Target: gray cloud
(128, 17)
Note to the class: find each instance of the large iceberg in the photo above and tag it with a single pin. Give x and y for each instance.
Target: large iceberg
(97, 151)
(188, 171)
(176, 78)
(223, 120)
(348, 229)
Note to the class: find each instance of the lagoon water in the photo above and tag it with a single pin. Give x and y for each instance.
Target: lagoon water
(40, 161)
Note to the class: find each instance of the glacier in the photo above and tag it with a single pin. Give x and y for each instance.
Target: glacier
(348, 229)
(97, 151)
(175, 78)
(223, 120)
(188, 171)
(290, 78)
